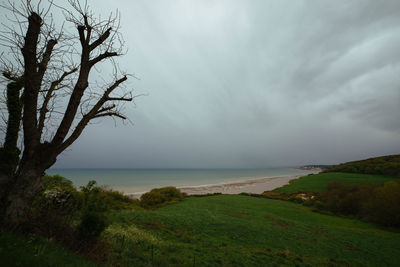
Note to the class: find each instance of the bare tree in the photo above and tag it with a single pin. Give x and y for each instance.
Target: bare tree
(50, 92)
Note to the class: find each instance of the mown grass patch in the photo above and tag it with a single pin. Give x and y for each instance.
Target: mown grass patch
(239, 230)
(318, 182)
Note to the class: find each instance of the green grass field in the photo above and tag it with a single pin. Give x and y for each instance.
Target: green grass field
(228, 230)
(234, 230)
(318, 182)
(18, 250)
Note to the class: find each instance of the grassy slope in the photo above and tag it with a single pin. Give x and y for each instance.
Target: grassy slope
(17, 250)
(228, 230)
(386, 165)
(247, 231)
(318, 182)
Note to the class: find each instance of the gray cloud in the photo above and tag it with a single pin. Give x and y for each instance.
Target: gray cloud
(253, 84)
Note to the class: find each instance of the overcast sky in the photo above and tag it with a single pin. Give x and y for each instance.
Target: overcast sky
(252, 84)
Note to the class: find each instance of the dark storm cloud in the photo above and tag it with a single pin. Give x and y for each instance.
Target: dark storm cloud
(253, 84)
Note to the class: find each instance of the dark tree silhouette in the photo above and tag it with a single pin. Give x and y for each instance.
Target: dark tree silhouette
(50, 93)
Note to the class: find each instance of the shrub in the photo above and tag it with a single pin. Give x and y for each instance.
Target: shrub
(160, 196)
(92, 225)
(379, 203)
(102, 199)
(344, 198)
(51, 181)
(58, 198)
(60, 204)
(383, 207)
(92, 197)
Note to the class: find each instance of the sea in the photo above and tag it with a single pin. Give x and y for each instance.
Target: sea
(133, 181)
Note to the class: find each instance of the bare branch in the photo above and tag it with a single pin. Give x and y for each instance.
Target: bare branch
(81, 30)
(119, 99)
(109, 114)
(106, 109)
(44, 108)
(102, 56)
(93, 113)
(100, 40)
(11, 76)
(46, 57)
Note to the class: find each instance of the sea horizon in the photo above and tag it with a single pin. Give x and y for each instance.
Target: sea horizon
(138, 180)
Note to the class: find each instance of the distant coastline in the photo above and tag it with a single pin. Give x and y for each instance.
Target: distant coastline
(134, 182)
(254, 186)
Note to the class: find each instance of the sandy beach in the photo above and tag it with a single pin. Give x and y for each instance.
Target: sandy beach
(256, 186)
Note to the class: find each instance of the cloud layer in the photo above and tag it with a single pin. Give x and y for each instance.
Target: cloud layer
(252, 84)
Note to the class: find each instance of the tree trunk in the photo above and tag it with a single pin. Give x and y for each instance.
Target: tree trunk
(9, 153)
(22, 192)
(4, 182)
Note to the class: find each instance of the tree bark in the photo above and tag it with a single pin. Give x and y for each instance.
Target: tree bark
(23, 186)
(21, 193)
(10, 155)
(4, 182)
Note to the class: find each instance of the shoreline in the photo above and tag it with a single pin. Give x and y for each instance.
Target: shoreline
(253, 186)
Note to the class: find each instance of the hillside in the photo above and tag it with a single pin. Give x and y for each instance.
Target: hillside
(235, 230)
(319, 182)
(386, 165)
(224, 230)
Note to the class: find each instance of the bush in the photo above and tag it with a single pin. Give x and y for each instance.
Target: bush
(383, 207)
(344, 198)
(102, 199)
(60, 205)
(92, 225)
(58, 198)
(379, 203)
(159, 197)
(56, 180)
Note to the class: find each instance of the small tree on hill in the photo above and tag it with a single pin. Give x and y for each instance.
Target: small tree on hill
(49, 91)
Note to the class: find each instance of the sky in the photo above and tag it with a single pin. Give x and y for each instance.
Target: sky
(251, 84)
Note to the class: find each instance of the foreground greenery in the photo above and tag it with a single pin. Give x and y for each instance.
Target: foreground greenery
(166, 228)
(223, 230)
(63, 220)
(31, 250)
(246, 231)
(319, 182)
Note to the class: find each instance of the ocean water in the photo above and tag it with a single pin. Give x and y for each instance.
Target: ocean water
(142, 180)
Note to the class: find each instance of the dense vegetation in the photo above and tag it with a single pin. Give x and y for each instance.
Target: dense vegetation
(319, 182)
(379, 204)
(372, 198)
(75, 218)
(387, 165)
